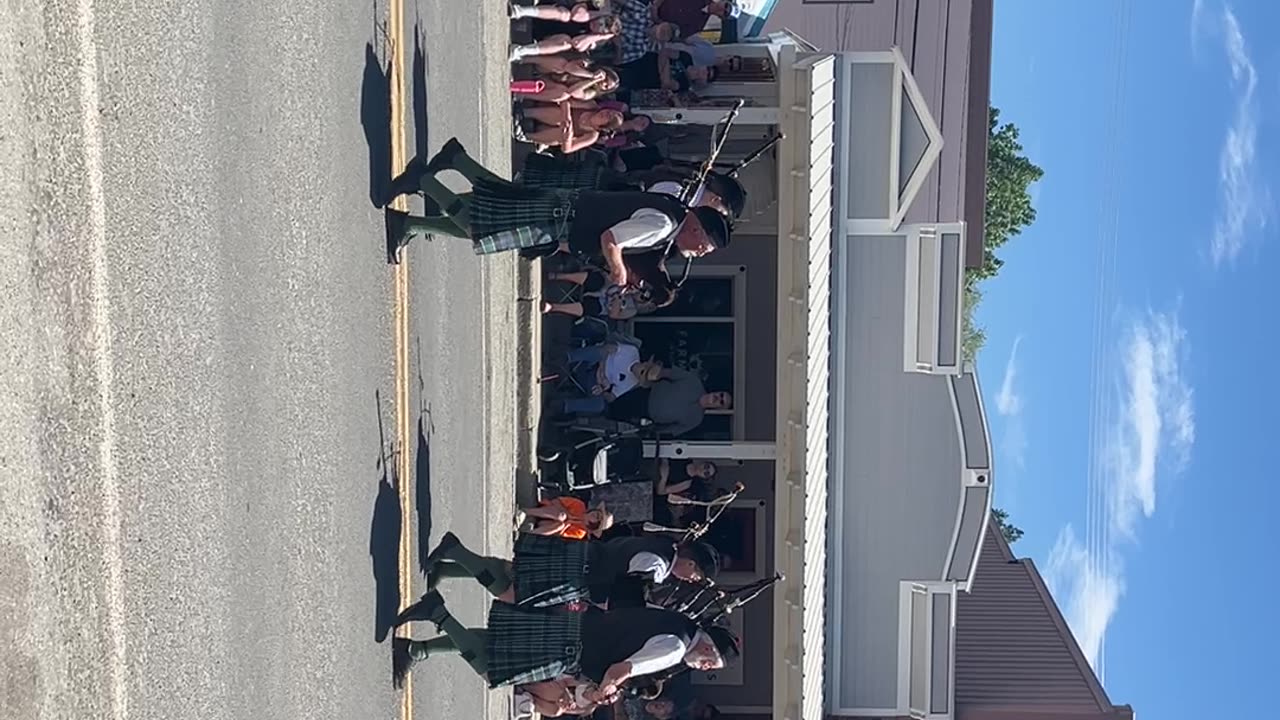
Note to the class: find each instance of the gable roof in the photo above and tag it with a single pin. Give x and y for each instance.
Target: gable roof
(1016, 658)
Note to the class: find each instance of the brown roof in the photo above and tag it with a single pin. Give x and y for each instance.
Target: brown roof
(1016, 658)
(981, 23)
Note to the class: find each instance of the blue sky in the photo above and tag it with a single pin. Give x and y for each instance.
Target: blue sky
(1133, 339)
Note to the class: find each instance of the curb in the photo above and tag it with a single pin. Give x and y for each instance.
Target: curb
(528, 368)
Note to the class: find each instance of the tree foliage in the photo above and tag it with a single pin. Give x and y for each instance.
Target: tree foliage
(1010, 175)
(1011, 532)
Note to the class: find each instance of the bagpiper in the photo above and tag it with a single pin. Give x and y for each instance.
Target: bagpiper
(500, 216)
(521, 644)
(547, 571)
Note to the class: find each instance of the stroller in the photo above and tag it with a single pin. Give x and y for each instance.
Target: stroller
(591, 453)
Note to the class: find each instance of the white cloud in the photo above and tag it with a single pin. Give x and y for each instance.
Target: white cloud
(1245, 197)
(1008, 402)
(1013, 443)
(1089, 591)
(1197, 23)
(1156, 415)
(1149, 437)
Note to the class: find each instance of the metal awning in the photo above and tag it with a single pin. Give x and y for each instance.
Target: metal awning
(807, 93)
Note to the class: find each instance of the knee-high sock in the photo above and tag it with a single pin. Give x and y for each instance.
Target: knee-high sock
(454, 205)
(471, 169)
(416, 224)
(490, 572)
(467, 642)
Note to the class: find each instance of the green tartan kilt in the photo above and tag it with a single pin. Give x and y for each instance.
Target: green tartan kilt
(543, 171)
(529, 645)
(506, 216)
(550, 571)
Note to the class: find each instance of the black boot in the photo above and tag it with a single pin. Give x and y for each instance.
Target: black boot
(443, 160)
(397, 234)
(448, 542)
(405, 653)
(407, 182)
(430, 607)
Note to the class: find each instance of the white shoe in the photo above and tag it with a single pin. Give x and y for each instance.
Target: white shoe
(524, 705)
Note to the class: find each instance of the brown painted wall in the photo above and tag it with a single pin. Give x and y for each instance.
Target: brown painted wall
(757, 619)
(759, 254)
(1015, 656)
(934, 37)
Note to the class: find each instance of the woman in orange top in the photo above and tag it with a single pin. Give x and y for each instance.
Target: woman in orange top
(567, 517)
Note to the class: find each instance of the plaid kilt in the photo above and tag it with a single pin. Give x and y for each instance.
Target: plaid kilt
(505, 216)
(549, 571)
(543, 171)
(529, 645)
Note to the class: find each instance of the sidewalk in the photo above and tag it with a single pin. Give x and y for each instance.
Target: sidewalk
(468, 96)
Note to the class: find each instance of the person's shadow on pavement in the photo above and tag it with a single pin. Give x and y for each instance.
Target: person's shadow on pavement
(384, 538)
(421, 122)
(422, 469)
(375, 118)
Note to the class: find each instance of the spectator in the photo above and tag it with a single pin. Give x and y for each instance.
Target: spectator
(566, 517)
(691, 16)
(675, 404)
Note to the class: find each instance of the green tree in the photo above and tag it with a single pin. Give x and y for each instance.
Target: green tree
(1010, 175)
(1011, 532)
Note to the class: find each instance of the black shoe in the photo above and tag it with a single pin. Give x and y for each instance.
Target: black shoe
(444, 159)
(448, 541)
(397, 234)
(429, 608)
(402, 660)
(407, 182)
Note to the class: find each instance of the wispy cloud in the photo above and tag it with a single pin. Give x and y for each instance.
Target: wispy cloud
(1197, 24)
(1150, 429)
(1156, 419)
(1013, 444)
(1008, 402)
(1245, 198)
(1088, 590)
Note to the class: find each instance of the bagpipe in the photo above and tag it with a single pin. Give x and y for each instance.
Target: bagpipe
(705, 604)
(702, 601)
(657, 280)
(651, 284)
(713, 509)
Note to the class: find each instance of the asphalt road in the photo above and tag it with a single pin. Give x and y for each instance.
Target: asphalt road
(197, 357)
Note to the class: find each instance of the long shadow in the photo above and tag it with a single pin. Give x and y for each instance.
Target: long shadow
(384, 539)
(421, 124)
(422, 471)
(375, 117)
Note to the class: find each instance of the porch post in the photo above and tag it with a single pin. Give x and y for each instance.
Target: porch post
(695, 450)
(711, 115)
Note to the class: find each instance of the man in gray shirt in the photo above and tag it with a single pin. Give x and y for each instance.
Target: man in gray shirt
(675, 404)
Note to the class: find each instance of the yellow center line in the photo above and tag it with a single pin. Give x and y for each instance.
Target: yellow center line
(395, 33)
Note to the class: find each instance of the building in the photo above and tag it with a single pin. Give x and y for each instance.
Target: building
(835, 320)
(1047, 677)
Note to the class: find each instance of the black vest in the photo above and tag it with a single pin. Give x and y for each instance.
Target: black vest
(609, 561)
(596, 212)
(613, 636)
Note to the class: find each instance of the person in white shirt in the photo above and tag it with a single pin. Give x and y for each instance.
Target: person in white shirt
(607, 372)
(521, 645)
(550, 571)
(499, 216)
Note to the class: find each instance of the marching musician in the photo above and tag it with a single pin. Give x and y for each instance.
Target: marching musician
(522, 645)
(499, 216)
(547, 571)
